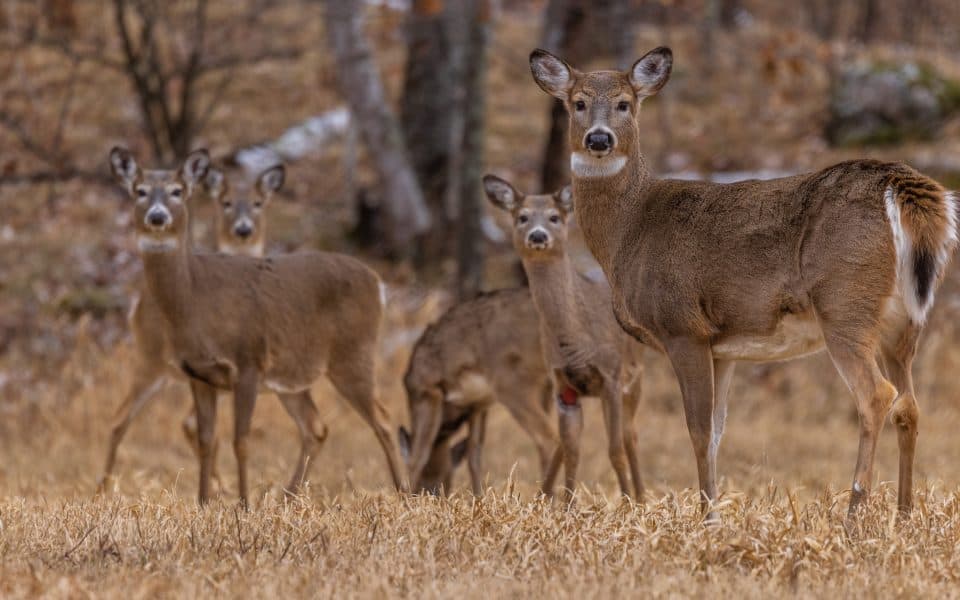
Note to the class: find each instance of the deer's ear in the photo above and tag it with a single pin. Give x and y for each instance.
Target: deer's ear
(215, 183)
(501, 193)
(195, 167)
(651, 72)
(124, 167)
(457, 452)
(403, 438)
(271, 180)
(564, 199)
(554, 76)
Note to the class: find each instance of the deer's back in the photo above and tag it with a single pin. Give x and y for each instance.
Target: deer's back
(290, 314)
(495, 336)
(703, 257)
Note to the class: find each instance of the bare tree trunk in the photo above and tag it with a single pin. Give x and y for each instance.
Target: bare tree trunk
(869, 21)
(474, 70)
(562, 26)
(581, 31)
(363, 90)
(823, 17)
(427, 119)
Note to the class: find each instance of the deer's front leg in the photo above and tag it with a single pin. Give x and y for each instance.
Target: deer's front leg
(693, 364)
(478, 430)
(205, 401)
(244, 399)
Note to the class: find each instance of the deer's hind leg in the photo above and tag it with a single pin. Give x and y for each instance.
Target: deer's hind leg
(897, 350)
(632, 394)
(147, 380)
(613, 416)
(303, 411)
(353, 374)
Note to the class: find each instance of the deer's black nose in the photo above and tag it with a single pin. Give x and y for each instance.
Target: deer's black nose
(537, 236)
(599, 141)
(243, 230)
(157, 219)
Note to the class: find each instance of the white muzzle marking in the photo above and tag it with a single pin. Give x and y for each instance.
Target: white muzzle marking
(158, 209)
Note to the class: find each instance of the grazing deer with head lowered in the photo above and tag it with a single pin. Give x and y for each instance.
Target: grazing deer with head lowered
(254, 324)
(847, 259)
(481, 351)
(585, 349)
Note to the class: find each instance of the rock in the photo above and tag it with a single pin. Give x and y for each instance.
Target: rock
(886, 103)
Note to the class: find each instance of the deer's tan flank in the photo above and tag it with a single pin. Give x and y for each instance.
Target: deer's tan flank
(254, 324)
(847, 259)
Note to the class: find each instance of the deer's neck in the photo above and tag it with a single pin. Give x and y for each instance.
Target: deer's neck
(167, 275)
(554, 291)
(605, 205)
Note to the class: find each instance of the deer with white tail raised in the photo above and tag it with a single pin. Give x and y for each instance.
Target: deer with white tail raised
(847, 259)
(585, 350)
(249, 324)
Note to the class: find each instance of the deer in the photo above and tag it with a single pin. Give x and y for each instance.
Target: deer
(241, 222)
(479, 352)
(586, 351)
(250, 325)
(845, 259)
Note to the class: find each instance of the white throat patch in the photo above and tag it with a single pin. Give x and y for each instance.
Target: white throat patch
(584, 165)
(147, 243)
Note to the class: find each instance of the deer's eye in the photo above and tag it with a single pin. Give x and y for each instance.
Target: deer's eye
(522, 219)
(624, 106)
(176, 192)
(141, 192)
(554, 219)
(258, 203)
(227, 204)
(580, 105)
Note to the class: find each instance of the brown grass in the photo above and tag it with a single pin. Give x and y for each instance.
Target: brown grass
(786, 461)
(785, 464)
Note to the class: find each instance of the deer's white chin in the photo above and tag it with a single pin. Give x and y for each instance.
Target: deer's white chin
(147, 243)
(584, 165)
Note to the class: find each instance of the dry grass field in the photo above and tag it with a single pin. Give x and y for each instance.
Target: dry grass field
(68, 264)
(786, 462)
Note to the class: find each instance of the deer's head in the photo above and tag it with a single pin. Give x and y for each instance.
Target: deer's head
(160, 197)
(539, 221)
(603, 106)
(241, 209)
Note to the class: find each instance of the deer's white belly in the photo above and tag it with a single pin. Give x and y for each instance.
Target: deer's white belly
(795, 336)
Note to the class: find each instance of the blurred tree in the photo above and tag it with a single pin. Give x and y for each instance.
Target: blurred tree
(869, 24)
(442, 115)
(473, 34)
(362, 88)
(427, 117)
(582, 32)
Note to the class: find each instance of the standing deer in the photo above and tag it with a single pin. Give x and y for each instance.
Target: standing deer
(481, 351)
(254, 324)
(241, 223)
(847, 259)
(584, 348)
